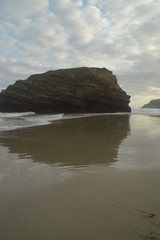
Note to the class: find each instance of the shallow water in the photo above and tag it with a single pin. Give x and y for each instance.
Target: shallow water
(95, 177)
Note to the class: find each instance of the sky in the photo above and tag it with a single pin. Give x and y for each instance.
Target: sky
(120, 35)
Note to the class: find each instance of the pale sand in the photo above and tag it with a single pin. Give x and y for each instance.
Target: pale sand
(103, 200)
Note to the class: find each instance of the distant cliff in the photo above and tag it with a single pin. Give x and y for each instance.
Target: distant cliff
(77, 90)
(155, 103)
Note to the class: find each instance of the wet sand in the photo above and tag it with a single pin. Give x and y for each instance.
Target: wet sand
(89, 178)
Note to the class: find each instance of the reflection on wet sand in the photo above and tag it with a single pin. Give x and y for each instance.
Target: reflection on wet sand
(81, 141)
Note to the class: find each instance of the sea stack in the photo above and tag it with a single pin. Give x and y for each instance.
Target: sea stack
(155, 103)
(76, 90)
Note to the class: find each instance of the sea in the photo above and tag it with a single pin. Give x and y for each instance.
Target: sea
(12, 121)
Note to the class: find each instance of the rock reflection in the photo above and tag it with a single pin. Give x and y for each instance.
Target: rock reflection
(73, 142)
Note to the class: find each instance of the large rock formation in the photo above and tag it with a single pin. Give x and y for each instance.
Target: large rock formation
(66, 91)
(155, 103)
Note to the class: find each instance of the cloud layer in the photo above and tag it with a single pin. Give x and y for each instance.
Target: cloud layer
(123, 36)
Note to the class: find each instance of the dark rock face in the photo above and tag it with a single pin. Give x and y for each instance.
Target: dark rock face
(155, 103)
(77, 90)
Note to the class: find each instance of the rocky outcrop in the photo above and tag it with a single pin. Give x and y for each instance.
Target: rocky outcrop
(155, 103)
(66, 91)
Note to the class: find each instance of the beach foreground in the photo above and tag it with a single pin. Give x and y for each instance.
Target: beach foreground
(84, 178)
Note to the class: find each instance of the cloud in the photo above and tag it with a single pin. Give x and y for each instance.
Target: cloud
(38, 35)
(21, 9)
(154, 89)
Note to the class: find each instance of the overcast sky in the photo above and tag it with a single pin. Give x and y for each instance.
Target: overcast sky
(121, 35)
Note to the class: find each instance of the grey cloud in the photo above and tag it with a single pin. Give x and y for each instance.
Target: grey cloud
(123, 37)
(10, 9)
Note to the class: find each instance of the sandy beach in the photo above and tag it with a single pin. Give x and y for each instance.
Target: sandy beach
(84, 178)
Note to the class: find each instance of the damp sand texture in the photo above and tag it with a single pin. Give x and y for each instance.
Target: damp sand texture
(85, 178)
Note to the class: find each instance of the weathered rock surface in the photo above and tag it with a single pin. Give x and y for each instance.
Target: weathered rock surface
(66, 91)
(155, 103)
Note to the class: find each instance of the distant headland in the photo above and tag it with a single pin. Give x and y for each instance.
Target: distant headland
(155, 103)
(75, 90)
